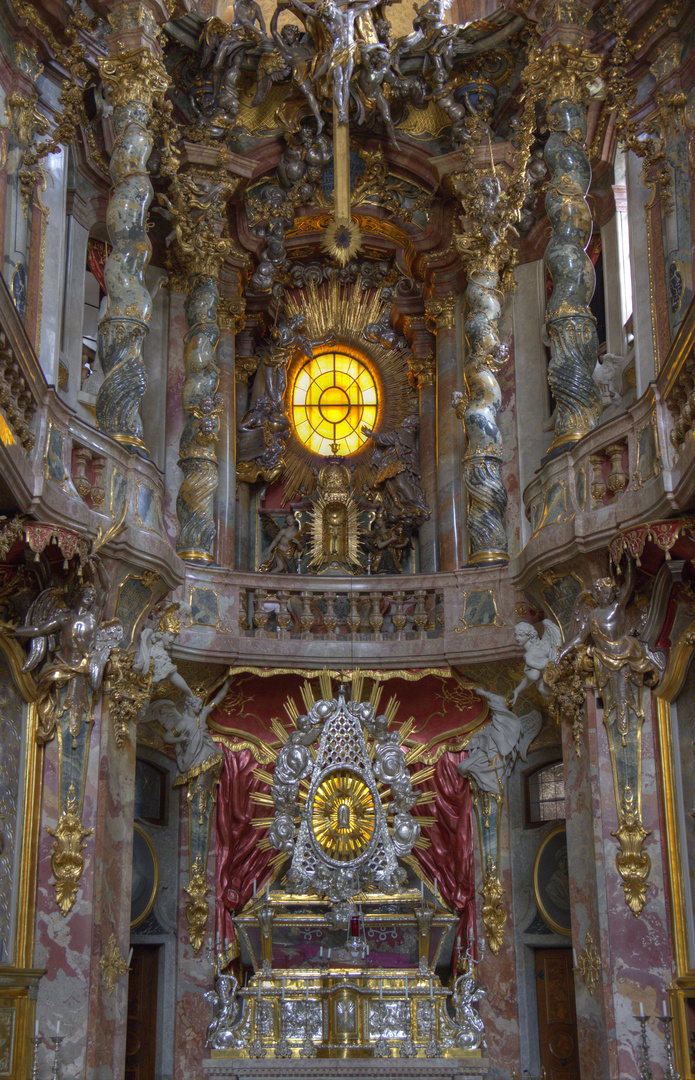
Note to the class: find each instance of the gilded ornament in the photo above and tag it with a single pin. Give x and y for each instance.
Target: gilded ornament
(562, 72)
(423, 370)
(441, 313)
(343, 815)
(588, 965)
(112, 964)
(632, 861)
(128, 692)
(137, 76)
(196, 910)
(231, 315)
(493, 913)
(67, 857)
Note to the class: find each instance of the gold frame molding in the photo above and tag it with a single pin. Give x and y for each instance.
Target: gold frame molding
(18, 979)
(559, 828)
(683, 986)
(155, 888)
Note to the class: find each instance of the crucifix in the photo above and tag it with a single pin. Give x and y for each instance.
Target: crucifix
(336, 24)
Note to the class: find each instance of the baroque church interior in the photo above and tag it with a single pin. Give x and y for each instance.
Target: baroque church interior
(347, 554)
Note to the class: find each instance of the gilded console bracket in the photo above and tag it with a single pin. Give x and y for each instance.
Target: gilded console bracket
(488, 812)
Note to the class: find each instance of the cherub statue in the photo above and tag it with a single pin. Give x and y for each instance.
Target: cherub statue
(466, 994)
(285, 549)
(77, 643)
(387, 543)
(188, 732)
(297, 62)
(538, 653)
(374, 71)
(222, 1033)
(154, 649)
(495, 749)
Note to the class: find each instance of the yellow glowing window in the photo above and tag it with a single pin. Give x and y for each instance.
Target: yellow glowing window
(333, 396)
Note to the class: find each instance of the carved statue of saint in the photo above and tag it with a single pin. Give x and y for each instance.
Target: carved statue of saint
(395, 460)
(285, 549)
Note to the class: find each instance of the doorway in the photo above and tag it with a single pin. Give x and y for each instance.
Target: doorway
(557, 1017)
(141, 1030)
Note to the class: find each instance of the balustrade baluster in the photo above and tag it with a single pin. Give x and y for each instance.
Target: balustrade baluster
(330, 619)
(307, 618)
(284, 618)
(354, 622)
(244, 610)
(399, 617)
(421, 617)
(376, 619)
(260, 615)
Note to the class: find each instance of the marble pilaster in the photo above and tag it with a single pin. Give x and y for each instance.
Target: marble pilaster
(441, 313)
(634, 951)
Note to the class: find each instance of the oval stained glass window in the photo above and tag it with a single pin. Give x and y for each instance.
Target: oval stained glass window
(333, 395)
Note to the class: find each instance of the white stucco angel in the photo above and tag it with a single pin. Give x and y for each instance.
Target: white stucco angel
(495, 749)
(538, 653)
(154, 648)
(187, 731)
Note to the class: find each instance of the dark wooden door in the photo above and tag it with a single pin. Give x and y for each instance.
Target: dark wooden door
(557, 1018)
(141, 1032)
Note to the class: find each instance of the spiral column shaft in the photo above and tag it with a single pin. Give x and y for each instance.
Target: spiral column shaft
(132, 80)
(482, 462)
(197, 448)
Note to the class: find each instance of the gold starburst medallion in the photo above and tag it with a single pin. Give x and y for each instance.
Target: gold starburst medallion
(343, 815)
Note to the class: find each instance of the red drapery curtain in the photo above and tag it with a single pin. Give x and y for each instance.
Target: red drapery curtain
(450, 858)
(97, 254)
(239, 861)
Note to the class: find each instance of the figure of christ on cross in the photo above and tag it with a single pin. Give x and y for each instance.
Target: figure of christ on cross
(339, 58)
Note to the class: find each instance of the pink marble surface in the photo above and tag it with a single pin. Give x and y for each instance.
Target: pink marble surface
(635, 952)
(194, 973)
(73, 991)
(498, 974)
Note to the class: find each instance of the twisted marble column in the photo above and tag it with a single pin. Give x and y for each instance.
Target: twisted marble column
(132, 80)
(570, 324)
(441, 317)
(482, 462)
(202, 406)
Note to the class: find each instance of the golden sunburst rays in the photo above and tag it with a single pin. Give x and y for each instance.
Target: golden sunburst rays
(343, 815)
(342, 240)
(338, 314)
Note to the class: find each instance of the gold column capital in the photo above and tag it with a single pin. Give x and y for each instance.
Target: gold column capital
(231, 314)
(137, 76)
(562, 71)
(441, 313)
(422, 370)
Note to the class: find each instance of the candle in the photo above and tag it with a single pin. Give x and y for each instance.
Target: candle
(665, 1009)
(254, 886)
(381, 990)
(574, 956)
(422, 890)
(430, 989)
(329, 954)
(406, 988)
(36, 1029)
(130, 955)
(306, 983)
(267, 892)
(58, 1028)
(435, 892)
(641, 1009)
(283, 989)
(258, 989)
(321, 952)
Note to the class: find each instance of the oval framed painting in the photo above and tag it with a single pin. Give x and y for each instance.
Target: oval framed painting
(551, 883)
(145, 877)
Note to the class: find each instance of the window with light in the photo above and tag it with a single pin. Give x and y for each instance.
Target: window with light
(332, 397)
